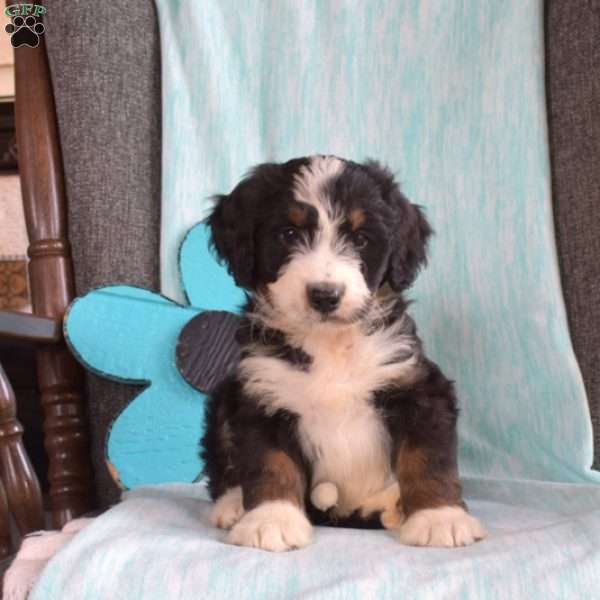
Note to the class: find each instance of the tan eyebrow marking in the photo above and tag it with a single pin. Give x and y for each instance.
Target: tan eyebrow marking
(357, 218)
(298, 214)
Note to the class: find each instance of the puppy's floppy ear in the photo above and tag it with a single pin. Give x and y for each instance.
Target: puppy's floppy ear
(232, 224)
(410, 231)
(409, 254)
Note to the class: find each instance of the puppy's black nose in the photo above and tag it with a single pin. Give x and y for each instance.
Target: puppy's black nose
(325, 297)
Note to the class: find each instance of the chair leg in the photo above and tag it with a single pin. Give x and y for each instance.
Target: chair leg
(5, 541)
(65, 433)
(18, 477)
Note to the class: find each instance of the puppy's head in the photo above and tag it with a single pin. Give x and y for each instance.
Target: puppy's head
(315, 238)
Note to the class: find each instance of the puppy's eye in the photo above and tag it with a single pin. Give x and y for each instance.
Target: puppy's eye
(360, 240)
(288, 235)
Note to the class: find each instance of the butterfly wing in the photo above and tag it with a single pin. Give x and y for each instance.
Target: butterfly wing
(130, 334)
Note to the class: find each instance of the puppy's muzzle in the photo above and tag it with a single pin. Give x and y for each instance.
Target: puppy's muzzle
(325, 297)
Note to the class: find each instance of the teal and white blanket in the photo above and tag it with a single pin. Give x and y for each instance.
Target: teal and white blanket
(158, 545)
(451, 96)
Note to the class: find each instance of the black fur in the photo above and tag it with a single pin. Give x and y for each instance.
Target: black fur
(252, 210)
(410, 231)
(272, 340)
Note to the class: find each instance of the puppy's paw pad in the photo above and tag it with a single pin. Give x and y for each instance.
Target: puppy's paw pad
(228, 509)
(324, 495)
(275, 526)
(447, 526)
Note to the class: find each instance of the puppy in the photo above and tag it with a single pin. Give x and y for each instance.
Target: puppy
(334, 415)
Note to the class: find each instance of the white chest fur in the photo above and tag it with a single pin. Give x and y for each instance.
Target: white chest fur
(340, 430)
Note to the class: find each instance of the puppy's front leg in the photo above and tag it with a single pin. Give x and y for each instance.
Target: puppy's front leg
(431, 495)
(273, 491)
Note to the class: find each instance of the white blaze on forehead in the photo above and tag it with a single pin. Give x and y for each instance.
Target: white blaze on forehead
(309, 187)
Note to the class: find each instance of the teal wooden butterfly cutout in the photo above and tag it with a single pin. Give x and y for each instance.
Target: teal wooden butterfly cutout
(131, 335)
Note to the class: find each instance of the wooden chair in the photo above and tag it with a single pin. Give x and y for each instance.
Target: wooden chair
(20, 494)
(60, 377)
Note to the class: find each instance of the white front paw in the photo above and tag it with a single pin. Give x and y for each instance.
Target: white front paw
(276, 526)
(446, 526)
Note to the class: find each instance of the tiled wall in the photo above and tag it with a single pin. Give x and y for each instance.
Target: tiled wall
(13, 246)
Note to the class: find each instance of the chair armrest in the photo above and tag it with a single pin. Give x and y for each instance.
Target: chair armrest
(29, 328)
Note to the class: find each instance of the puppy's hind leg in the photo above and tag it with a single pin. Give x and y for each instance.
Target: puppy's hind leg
(387, 503)
(228, 509)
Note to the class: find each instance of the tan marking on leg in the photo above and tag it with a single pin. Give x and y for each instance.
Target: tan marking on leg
(421, 486)
(280, 479)
(386, 502)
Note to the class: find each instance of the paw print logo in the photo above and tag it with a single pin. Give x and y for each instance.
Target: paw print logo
(25, 31)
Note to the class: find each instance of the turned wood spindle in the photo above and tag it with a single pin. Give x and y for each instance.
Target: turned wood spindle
(60, 377)
(19, 480)
(5, 541)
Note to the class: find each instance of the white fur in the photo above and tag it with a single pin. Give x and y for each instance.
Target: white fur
(340, 431)
(276, 526)
(324, 495)
(309, 185)
(446, 526)
(228, 509)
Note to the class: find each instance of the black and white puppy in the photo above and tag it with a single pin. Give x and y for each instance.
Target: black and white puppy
(334, 415)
